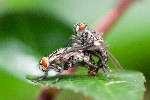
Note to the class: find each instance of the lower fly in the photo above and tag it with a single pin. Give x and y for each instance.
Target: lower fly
(64, 58)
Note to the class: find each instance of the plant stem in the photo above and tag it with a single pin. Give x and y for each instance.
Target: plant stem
(48, 93)
(112, 16)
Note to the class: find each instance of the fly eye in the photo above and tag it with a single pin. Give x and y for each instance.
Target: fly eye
(44, 62)
(82, 26)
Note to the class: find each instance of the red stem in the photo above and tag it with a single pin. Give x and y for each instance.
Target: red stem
(112, 16)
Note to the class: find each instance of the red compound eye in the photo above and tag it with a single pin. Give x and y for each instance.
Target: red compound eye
(44, 62)
(82, 26)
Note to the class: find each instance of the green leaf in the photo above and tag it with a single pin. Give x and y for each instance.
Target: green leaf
(31, 29)
(13, 88)
(124, 85)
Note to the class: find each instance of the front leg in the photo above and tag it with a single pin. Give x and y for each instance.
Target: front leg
(72, 38)
(57, 78)
(42, 77)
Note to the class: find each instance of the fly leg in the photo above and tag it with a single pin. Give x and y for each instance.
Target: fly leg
(102, 61)
(59, 71)
(42, 77)
(57, 78)
(73, 39)
(92, 69)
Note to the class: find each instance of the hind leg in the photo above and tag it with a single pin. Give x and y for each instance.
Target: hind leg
(92, 71)
(102, 55)
(92, 68)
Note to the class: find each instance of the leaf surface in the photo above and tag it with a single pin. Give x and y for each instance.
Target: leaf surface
(124, 85)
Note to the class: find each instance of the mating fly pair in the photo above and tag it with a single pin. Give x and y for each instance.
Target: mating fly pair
(79, 51)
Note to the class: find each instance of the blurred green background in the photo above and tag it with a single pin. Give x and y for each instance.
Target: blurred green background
(29, 29)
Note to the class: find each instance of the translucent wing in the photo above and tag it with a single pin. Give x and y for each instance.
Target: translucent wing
(114, 61)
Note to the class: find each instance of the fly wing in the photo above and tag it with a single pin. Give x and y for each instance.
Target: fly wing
(102, 46)
(114, 61)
